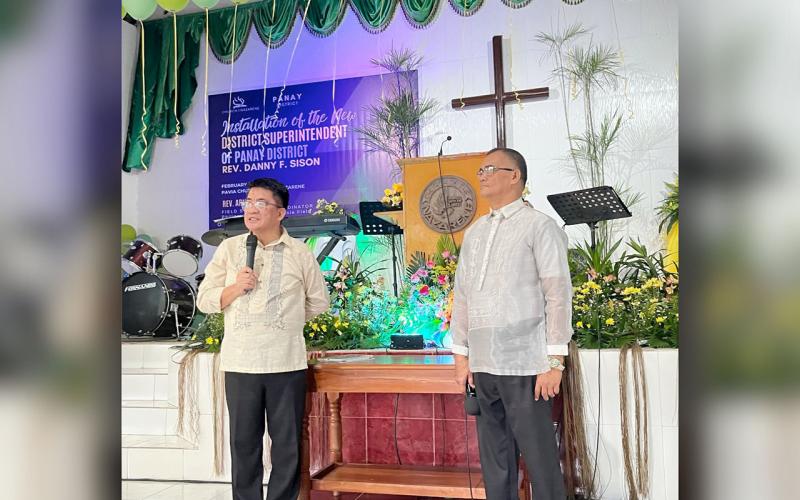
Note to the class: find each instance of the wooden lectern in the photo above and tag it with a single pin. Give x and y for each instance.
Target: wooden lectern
(426, 207)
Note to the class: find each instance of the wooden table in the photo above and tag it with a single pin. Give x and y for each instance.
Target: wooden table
(417, 374)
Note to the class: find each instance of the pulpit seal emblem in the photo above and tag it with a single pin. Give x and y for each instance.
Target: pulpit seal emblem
(457, 202)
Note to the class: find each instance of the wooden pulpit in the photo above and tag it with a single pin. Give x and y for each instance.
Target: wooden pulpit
(427, 208)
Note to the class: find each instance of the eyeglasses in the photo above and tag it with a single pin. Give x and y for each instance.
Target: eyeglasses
(259, 204)
(491, 169)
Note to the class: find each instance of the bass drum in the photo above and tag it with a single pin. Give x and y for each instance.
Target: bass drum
(151, 303)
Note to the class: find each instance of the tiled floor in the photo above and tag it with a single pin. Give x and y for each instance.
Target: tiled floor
(156, 490)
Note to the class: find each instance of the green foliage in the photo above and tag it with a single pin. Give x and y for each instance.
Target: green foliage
(668, 209)
(393, 123)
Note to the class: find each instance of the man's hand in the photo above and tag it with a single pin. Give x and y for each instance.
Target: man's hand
(547, 385)
(245, 280)
(463, 375)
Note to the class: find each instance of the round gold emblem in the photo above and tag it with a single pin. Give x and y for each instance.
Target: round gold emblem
(458, 203)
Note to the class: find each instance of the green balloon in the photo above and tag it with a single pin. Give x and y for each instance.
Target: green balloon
(123, 12)
(173, 5)
(128, 233)
(239, 2)
(205, 4)
(139, 9)
(145, 237)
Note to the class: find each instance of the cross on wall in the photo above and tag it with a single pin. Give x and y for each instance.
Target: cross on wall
(500, 98)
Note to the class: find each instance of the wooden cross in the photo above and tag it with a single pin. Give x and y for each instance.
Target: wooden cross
(500, 97)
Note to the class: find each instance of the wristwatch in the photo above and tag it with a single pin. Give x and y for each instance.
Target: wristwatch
(555, 364)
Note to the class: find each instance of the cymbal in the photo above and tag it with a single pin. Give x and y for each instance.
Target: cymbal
(233, 226)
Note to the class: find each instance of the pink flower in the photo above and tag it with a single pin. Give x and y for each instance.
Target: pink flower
(430, 264)
(442, 279)
(423, 273)
(446, 254)
(424, 290)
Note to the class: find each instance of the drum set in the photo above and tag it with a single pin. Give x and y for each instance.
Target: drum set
(156, 301)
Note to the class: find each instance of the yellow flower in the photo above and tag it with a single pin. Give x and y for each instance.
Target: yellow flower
(315, 327)
(388, 192)
(397, 187)
(194, 337)
(580, 296)
(579, 324)
(337, 323)
(660, 319)
(324, 328)
(209, 340)
(652, 283)
(591, 285)
(631, 290)
(385, 200)
(216, 341)
(653, 301)
(345, 324)
(610, 321)
(588, 325)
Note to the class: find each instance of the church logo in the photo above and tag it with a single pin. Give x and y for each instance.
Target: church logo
(457, 203)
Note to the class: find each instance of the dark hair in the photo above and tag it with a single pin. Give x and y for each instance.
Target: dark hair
(277, 188)
(517, 159)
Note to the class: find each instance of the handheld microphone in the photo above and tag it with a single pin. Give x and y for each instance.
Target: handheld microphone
(251, 244)
(471, 406)
(442, 145)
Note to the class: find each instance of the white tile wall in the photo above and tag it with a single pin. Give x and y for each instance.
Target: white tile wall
(671, 475)
(150, 421)
(132, 355)
(160, 387)
(124, 463)
(138, 386)
(151, 463)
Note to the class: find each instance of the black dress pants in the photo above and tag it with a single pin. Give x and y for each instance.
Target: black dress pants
(511, 420)
(280, 397)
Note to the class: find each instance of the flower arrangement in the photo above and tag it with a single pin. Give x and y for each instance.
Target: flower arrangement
(326, 207)
(393, 197)
(208, 334)
(428, 297)
(631, 300)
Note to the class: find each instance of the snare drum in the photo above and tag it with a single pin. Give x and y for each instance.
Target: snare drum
(151, 303)
(182, 256)
(138, 255)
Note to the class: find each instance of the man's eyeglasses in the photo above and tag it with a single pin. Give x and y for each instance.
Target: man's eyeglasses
(259, 204)
(491, 169)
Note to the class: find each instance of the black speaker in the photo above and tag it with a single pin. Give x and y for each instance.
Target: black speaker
(410, 341)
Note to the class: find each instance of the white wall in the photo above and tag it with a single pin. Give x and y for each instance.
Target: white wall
(171, 198)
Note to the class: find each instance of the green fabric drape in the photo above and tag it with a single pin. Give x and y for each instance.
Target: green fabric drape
(159, 69)
(466, 7)
(324, 16)
(221, 32)
(374, 15)
(419, 13)
(274, 30)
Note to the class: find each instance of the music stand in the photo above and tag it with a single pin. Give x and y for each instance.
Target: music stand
(372, 225)
(589, 206)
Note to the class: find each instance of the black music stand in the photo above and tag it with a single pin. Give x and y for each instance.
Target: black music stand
(372, 225)
(589, 206)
